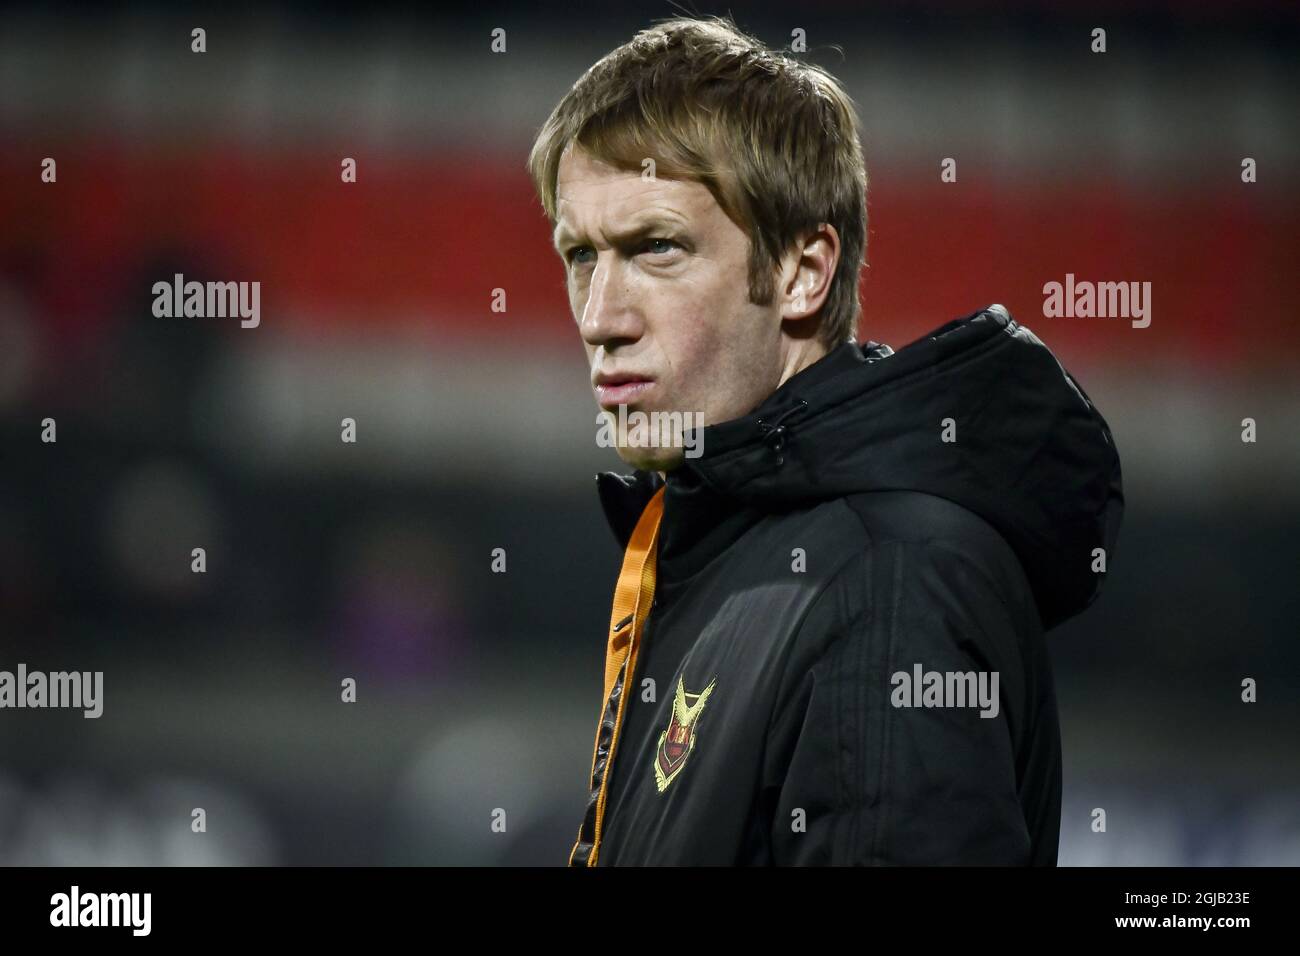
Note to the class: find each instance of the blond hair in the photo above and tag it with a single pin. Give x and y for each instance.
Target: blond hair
(774, 139)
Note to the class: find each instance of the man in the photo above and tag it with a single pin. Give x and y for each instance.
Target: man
(826, 645)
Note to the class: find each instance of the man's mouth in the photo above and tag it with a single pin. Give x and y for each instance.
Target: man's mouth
(615, 390)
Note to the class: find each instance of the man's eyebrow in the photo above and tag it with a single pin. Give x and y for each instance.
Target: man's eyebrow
(639, 230)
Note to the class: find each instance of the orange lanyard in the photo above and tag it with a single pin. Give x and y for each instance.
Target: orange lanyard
(633, 598)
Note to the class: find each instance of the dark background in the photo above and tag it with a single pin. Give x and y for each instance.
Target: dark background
(475, 429)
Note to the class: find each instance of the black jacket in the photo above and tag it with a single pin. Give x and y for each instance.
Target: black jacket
(826, 543)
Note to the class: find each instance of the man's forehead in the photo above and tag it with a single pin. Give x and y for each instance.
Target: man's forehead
(588, 189)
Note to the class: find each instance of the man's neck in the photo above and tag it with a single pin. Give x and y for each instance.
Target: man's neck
(801, 355)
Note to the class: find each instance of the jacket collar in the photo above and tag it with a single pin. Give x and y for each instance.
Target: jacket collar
(1036, 459)
(700, 522)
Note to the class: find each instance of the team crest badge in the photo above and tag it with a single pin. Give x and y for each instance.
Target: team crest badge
(677, 742)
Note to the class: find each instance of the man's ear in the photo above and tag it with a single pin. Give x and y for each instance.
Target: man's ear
(806, 272)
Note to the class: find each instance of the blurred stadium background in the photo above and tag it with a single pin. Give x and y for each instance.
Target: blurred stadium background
(475, 428)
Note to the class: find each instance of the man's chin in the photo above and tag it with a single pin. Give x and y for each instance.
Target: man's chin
(651, 459)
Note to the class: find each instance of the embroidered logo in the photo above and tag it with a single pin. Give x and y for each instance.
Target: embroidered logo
(677, 742)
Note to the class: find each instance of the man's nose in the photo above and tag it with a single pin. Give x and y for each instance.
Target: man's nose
(609, 315)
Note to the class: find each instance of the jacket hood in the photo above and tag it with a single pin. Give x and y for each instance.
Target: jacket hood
(1026, 449)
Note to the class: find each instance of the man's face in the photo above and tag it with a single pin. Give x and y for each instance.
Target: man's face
(658, 283)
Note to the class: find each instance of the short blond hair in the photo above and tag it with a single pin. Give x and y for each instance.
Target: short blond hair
(775, 140)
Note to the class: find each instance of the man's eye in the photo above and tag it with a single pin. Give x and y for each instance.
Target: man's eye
(659, 247)
(577, 254)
